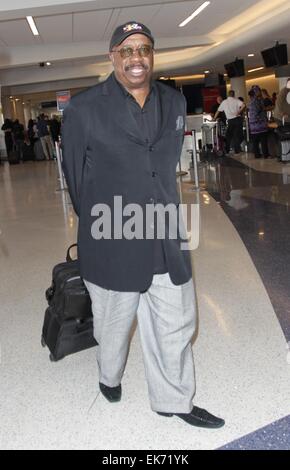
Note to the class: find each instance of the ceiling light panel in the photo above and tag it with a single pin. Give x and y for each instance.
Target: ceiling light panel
(196, 12)
(32, 25)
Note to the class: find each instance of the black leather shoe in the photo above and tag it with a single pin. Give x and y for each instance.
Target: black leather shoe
(198, 417)
(112, 394)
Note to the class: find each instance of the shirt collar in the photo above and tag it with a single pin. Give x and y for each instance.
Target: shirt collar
(127, 94)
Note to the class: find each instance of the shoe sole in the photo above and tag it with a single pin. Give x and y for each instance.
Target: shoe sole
(199, 425)
(111, 400)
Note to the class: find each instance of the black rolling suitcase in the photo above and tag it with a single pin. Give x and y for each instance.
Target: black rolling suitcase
(13, 157)
(68, 321)
(27, 152)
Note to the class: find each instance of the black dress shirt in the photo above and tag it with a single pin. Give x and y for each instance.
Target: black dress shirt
(148, 119)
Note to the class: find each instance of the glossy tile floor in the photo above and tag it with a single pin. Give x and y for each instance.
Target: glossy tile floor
(242, 358)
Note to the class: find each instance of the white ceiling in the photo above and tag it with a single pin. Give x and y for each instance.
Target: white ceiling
(74, 35)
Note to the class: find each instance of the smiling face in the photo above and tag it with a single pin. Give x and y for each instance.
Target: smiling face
(133, 72)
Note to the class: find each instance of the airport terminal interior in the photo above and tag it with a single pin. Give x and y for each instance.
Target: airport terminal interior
(50, 50)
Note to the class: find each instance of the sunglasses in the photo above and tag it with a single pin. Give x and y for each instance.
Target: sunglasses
(127, 51)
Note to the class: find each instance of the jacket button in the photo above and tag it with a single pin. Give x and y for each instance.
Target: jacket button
(151, 148)
(154, 174)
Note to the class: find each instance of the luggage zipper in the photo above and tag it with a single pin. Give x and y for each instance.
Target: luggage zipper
(73, 279)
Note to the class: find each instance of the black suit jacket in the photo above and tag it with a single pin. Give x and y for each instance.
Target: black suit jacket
(105, 155)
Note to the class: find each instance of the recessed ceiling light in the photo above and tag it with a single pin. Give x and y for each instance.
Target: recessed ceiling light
(206, 71)
(251, 55)
(48, 63)
(194, 14)
(32, 25)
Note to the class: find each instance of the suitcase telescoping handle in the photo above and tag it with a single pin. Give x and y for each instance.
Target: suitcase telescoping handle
(68, 256)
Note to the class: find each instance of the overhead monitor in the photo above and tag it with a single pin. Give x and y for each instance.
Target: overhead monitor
(275, 56)
(214, 80)
(235, 69)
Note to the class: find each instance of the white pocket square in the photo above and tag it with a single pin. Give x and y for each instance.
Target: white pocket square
(179, 123)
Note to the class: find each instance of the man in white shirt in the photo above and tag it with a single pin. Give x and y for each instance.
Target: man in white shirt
(233, 109)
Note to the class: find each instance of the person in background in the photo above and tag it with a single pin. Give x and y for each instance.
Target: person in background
(282, 108)
(7, 129)
(124, 276)
(215, 107)
(32, 132)
(233, 109)
(274, 98)
(18, 137)
(43, 134)
(54, 126)
(267, 101)
(258, 122)
(222, 124)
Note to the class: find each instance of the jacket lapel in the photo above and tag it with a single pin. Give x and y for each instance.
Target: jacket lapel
(124, 118)
(126, 121)
(165, 102)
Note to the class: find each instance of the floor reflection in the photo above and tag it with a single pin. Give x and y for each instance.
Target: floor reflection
(257, 203)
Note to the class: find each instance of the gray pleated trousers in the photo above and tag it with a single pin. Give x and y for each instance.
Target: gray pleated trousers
(167, 320)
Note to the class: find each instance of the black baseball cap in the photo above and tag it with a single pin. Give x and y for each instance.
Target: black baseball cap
(127, 29)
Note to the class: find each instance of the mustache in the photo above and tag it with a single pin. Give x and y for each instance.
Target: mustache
(129, 67)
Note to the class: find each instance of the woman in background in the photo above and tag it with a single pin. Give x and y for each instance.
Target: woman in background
(7, 129)
(258, 122)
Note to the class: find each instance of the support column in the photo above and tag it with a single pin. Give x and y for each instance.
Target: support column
(19, 110)
(7, 108)
(283, 82)
(238, 84)
(27, 114)
(283, 73)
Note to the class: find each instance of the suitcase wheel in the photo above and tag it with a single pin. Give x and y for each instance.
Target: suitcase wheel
(43, 343)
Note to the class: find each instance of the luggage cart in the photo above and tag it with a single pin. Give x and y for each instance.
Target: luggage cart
(212, 140)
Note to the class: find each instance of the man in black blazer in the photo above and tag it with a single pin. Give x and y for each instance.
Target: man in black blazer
(122, 140)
